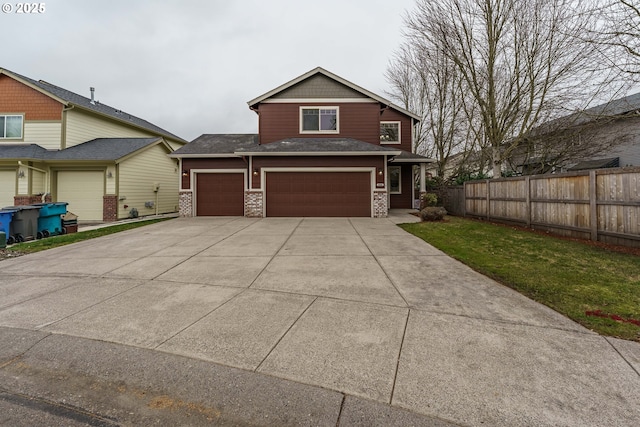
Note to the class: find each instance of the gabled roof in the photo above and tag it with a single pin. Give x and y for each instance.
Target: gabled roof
(320, 70)
(222, 145)
(101, 149)
(68, 98)
(611, 162)
(318, 146)
(22, 151)
(411, 158)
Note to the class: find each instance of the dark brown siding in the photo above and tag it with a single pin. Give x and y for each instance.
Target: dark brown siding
(318, 194)
(18, 98)
(319, 161)
(219, 163)
(219, 194)
(390, 115)
(356, 120)
(404, 200)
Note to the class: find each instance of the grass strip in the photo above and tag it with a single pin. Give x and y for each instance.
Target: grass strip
(66, 239)
(594, 286)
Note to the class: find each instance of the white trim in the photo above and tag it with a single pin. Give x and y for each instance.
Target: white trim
(319, 107)
(199, 156)
(397, 122)
(265, 170)
(192, 182)
(4, 130)
(399, 180)
(319, 101)
(318, 153)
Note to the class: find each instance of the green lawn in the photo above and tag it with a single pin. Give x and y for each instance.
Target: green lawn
(55, 241)
(596, 287)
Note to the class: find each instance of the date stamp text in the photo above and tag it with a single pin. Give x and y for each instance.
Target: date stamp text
(24, 8)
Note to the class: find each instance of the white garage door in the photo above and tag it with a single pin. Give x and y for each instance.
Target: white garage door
(7, 188)
(83, 190)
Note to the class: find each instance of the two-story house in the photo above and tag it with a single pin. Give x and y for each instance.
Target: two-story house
(325, 147)
(56, 145)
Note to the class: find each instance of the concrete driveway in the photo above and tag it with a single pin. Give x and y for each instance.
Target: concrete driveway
(352, 320)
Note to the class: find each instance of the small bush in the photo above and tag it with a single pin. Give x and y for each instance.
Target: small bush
(433, 213)
(428, 199)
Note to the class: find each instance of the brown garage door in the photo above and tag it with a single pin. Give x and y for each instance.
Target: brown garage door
(318, 194)
(219, 194)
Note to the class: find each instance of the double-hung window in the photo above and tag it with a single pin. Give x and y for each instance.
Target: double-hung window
(390, 132)
(10, 127)
(319, 120)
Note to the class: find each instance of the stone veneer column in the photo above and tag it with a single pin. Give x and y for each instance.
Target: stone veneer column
(380, 208)
(186, 203)
(253, 203)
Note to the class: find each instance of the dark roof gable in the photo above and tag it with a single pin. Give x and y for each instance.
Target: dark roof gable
(319, 71)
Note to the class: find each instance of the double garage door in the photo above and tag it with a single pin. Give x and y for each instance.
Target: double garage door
(289, 194)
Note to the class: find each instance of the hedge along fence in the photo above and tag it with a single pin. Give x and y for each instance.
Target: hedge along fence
(601, 205)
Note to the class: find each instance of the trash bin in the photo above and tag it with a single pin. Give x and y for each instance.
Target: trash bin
(69, 223)
(50, 219)
(6, 215)
(24, 225)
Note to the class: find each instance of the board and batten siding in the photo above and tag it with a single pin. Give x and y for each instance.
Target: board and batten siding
(139, 173)
(45, 134)
(82, 127)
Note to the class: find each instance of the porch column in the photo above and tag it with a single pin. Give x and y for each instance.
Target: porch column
(423, 180)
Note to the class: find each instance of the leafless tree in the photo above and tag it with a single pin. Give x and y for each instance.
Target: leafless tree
(521, 63)
(426, 82)
(622, 32)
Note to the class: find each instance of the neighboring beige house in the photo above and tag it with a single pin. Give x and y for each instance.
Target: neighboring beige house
(59, 146)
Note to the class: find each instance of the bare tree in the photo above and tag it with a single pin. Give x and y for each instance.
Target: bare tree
(426, 82)
(622, 32)
(521, 63)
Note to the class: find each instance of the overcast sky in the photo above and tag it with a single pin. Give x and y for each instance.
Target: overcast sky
(190, 66)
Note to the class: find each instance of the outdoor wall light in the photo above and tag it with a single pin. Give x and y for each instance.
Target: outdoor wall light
(185, 173)
(380, 172)
(21, 174)
(255, 172)
(109, 175)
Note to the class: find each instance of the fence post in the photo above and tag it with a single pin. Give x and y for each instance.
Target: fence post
(527, 183)
(593, 205)
(488, 198)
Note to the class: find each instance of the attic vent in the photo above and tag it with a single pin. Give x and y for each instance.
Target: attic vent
(93, 90)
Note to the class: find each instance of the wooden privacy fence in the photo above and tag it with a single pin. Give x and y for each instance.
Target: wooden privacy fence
(601, 205)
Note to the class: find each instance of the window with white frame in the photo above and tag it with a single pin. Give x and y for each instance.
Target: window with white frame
(395, 180)
(390, 132)
(318, 119)
(10, 127)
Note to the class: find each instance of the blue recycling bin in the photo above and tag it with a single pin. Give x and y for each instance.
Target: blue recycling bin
(6, 215)
(50, 218)
(24, 225)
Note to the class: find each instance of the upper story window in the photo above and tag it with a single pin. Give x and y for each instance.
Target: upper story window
(318, 119)
(390, 132)
(10, 127)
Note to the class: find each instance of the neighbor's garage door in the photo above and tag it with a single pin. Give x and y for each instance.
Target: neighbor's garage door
(7, 188)
(219, 194)
(311, 194)
(84, 191)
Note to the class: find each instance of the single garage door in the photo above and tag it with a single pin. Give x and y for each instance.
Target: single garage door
(84, 191)
(309, 194)
(219, 194)
(7, 188)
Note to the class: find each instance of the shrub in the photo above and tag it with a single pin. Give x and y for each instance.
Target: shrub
(433, 213)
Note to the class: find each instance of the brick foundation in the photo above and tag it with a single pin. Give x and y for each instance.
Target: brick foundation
(29, 200)
(186, 204)
(109, 208)
(380, 208)
(253, 204)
